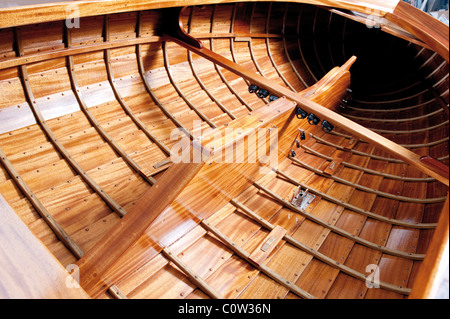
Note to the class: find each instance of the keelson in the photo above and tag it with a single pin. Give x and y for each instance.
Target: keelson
(241, 150)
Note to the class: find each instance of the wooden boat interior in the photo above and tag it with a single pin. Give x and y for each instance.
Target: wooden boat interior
(103, 115)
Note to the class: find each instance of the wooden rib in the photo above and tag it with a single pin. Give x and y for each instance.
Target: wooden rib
(55, 142)
(42, 211)
(339, 147)
(355, 208)
(177, 88)
(310, 106)
(300, 46)
(314, 40)
(386, 110)
(120, 99)
(202, 85)
(329, 261)
(425, 129)
(382, 131)
(101, 131)
(152, 94)
(269, 53)
(370, 190)
(371, 171)
(127, 109)
(131, 227)
(250, 48)
(60, 233)
(387, 159)
(287, 51)
(222, 77)
(194, 277)
(200, 82)
(409, 97)
(263, 268)
(233, 21)
(410, 119)
(443, 140)
(339, 231)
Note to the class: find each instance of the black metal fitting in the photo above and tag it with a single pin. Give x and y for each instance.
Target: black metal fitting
(273, 98)
(253, 88)
(326, 126)
(302, 135)
(301, 114)
(313, 120)
(262, 93)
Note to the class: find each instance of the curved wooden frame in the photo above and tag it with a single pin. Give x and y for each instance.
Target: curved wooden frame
(315, 253)
(185, 172)
(56, 143)
(338, 230)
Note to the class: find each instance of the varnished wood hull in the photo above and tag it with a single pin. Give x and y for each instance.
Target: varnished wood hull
(87, 117)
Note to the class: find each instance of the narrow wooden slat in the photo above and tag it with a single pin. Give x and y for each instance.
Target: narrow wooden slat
(42, 211)
(177, 88)
(391, 120)
(164, 109)
(120, 99)
(263, 268)
(355, 208)
(349, 147)
(200, 82)
(222, 77)
(116, 147)
(195, 278)
(269, 52)
(339, 231)
(425, 284)
(370, 171)
(287, 51)
(370, 190)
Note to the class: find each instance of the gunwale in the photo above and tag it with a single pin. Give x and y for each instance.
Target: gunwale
(251, 58)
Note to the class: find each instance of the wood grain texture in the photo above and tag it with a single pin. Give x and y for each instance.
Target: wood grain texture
(28, 270)
(426, 283)
(35, 14)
